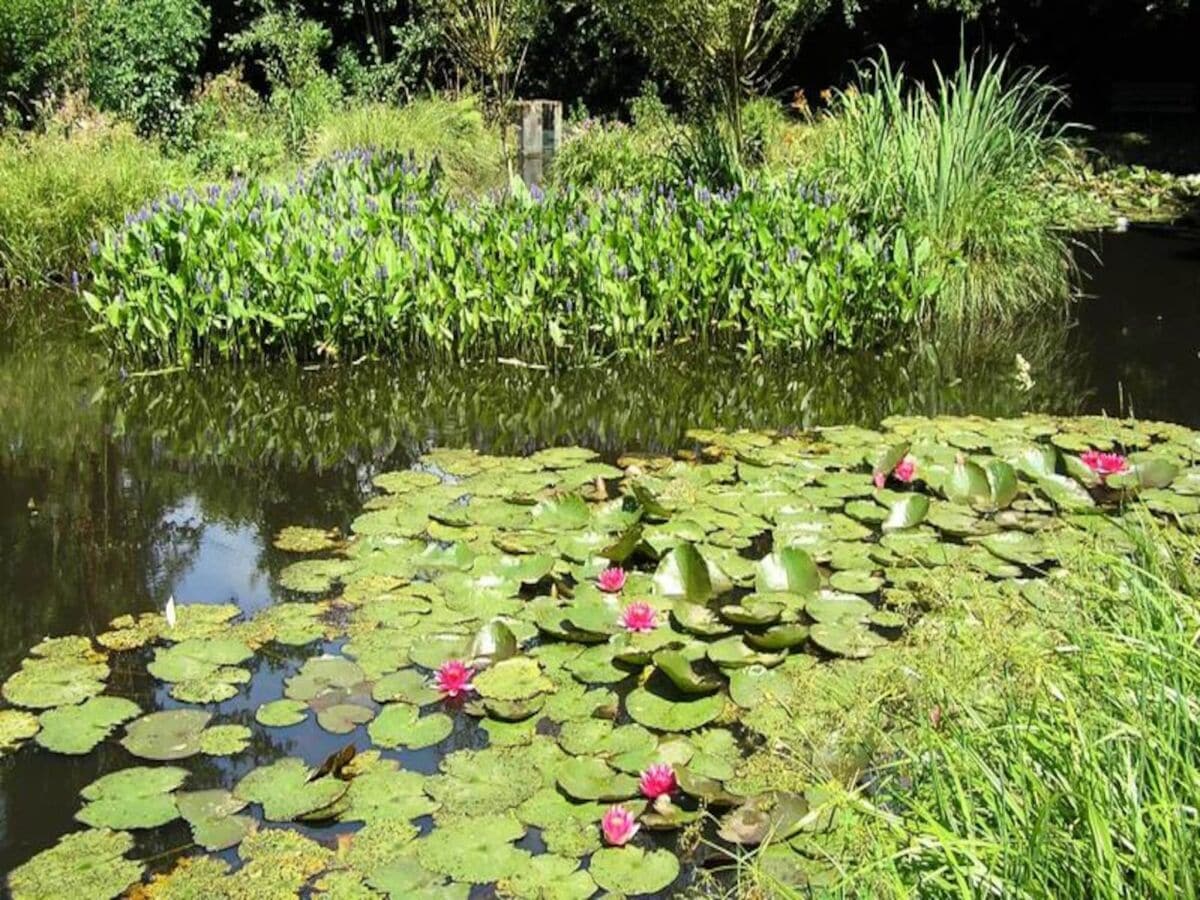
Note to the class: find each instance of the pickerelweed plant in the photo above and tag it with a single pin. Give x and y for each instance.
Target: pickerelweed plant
(365, 252)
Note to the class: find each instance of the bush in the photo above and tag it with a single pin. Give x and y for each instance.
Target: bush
(141, 55)
(58, 190)
(228, 130)
(364, 253)
(38, 46)
(965, 165)
(289, 48)
(613, 155)
(453, 132)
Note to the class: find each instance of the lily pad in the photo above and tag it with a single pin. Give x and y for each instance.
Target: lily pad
(685, 574)
(630, 870)
(549, 877)
(401, 725)
(678, 668)
(139, 797)
(298, 539)
(79, 729)
(591, 778)
(213, 817)
(281, 713)
(285, 791)
(46, 682)
(167, 735)
(323, 675)
(87, 864)
(224, 740)
(654, 711)
(756, 684)
(343, 718)
(16, 727)
(518, 678)
(791, 570)
(382, 791)
(907, 513)
(846, 639)
(476, 851)
(481, 782)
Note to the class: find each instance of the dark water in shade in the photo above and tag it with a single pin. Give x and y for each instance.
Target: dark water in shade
(118, 492)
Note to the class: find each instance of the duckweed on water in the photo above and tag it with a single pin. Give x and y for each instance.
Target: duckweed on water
(364, 253)
(759, 559)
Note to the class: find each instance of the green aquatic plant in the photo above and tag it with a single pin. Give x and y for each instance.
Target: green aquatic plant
(88, 863)
(213, 816)
(964, 162)
(140, 797)
(366, 253)
(779, 578)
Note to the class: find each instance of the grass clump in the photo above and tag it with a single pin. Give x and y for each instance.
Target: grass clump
(452, 131)
(965, 164)
(365, 252)
(60, 187)
(1027, 745)
(1089, 787)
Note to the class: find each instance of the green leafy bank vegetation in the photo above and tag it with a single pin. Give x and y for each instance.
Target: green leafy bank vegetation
(943, 657)
(367, 252)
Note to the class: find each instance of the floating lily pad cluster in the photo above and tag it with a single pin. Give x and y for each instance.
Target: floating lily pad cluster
(744, 563)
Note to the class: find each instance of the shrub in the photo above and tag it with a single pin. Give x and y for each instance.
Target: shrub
(58, 190)
(611, 156)
(964, 165)
(141, 55)
(365, 253)
(289, 48)
(38, 45)
(228, 130)
(453, 132)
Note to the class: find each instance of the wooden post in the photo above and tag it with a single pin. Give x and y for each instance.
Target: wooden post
(536, 118)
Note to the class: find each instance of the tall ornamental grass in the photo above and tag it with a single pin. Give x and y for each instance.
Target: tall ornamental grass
(965, 162)
(1091, 787)
(452, 131)
(59, 189)
(366, 253)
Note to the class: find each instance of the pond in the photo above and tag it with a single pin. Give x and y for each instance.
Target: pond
(121, 489)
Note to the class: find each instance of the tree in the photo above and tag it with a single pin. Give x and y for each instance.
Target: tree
(718, 51)
(489, 38)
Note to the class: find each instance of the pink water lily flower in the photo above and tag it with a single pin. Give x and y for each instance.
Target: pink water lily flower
(619, 826)
(611, 580)
(454, 678)
(639, 617)
(1104, 464)
(658, 780)
(905, 471)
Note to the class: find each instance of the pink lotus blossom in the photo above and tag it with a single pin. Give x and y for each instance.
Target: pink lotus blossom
(657, 781)
(454, 678)
(880, 480)
(619, 826)
(611, 580)
(639, 617)
(1104, 464)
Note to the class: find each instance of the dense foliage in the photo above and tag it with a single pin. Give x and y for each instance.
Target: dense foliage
(365, 252)
(59, 189)
(142, 57)
(968, 163)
